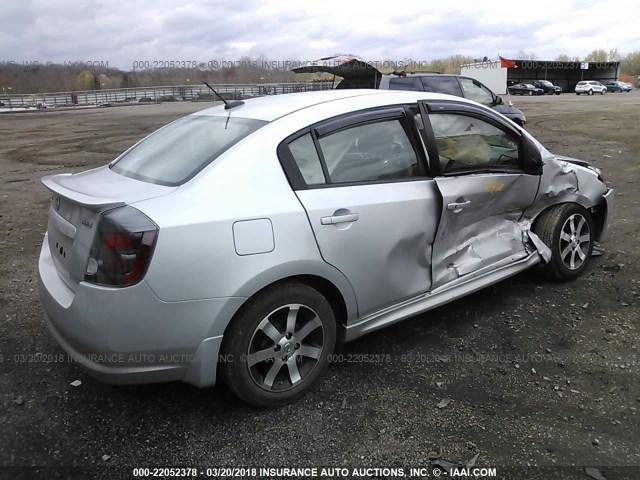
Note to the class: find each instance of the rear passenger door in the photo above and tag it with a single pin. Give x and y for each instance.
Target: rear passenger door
(374, 212)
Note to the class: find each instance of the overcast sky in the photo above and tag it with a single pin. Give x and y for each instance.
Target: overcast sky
(121, 32)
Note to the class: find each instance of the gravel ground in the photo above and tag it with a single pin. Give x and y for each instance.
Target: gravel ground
(525, 373)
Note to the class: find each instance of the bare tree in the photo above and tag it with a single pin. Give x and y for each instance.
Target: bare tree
(631, 64)
(522, 55)
(614, 55)
(600, 55)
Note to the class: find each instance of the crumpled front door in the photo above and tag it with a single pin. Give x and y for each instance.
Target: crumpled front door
(479, 225)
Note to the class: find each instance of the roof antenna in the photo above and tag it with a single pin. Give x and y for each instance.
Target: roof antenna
(227, 105)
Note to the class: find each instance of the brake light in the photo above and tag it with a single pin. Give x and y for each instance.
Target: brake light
(122, 248)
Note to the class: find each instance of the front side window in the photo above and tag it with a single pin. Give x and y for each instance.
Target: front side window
(476, 91)
(177, 152)
(369, 152)
(467, 143)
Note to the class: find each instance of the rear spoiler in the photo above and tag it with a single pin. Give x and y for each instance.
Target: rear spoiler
(52, 182)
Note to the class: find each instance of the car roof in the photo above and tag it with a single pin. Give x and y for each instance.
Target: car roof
(272, 107)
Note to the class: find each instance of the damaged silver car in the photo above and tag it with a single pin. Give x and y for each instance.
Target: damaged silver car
(244, 240)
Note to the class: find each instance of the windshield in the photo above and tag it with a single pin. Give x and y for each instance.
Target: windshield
(177, 152)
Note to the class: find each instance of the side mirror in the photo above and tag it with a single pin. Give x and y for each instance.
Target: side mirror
(499, 100)
(532, 159)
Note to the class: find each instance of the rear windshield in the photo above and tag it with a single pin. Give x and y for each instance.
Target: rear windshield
(177, 152)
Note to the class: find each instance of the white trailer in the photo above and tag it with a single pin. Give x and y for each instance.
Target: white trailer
(490, 73)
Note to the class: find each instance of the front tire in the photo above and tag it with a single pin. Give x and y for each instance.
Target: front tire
(568, 230)
(278, 346)
(590, 92)
(603, 92)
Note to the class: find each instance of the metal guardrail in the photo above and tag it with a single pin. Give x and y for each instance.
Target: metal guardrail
(157, 94)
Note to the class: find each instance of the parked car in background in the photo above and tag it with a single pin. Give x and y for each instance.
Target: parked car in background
(626, 87)
(548, 87)
(590, 87)
(525, 89)
(617, 87)
(357, 73)
(374, 206)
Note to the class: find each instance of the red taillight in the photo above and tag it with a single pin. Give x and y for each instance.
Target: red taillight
(122, 248)
(117, 241)
(143, 257)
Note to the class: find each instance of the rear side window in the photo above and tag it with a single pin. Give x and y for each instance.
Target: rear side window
(406, 83)
(436, 84)
(369, 152)
(305, 154)
(177, 152)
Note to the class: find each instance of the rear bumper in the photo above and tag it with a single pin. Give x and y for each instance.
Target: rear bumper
(129, 335)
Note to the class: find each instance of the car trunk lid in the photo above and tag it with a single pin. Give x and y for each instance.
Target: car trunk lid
(356, 72)
(76, 205)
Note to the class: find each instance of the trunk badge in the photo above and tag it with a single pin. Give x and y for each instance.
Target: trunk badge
(57, 201)
(87, 223)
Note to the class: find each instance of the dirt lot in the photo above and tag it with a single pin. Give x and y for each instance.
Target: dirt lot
(537, 373)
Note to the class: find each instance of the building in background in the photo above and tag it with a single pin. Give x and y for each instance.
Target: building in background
(563, 74)
(488, 72)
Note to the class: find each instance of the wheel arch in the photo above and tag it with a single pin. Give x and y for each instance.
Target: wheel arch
(598, 213)
(335, 288)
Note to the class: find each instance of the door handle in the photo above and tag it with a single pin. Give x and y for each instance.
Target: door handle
(457, 206)
(335, 219)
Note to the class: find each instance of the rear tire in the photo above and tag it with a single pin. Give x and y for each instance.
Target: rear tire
(568, 231)
(278, 346)
(590, 92)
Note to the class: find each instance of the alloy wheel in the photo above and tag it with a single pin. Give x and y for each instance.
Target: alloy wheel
(575, 238)
(285, 347)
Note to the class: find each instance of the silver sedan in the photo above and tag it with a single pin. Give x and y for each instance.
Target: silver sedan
(245, 240)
